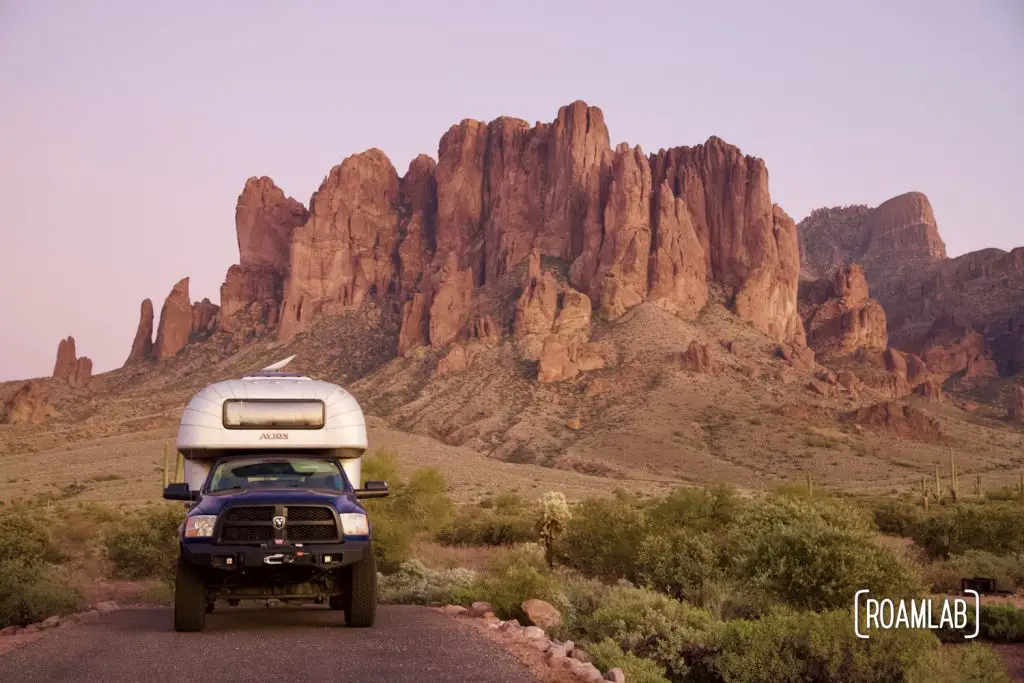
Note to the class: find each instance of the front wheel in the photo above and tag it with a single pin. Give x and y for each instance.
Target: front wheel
(360, 597)
(190, 602)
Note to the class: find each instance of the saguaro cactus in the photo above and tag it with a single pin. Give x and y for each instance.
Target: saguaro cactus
(554, 516)
(954, 483)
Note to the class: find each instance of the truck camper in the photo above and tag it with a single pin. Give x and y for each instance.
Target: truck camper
(273, 478)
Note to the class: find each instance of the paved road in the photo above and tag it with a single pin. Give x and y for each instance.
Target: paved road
(284, 644)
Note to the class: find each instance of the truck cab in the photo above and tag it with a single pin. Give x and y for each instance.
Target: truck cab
(272, 465)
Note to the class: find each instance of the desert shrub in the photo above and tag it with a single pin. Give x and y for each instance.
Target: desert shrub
(603, 538)
(969, 663)
(490, 523)
(896, 517)
(576, 598)
(31, 591)
(820, 647)
(26, 536)
(513, 579)
(419, 505)
(673, 634)
(145, 543)
(607, 655)
(944, 575)
(1000, 623)
(813, 566)
(415, 583)
(680, 563)
(698, 509)
(997, 527)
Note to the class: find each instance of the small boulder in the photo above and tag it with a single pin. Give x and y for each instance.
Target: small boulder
(615, 675)
(532, 632)
(480, 608)
(542, 614)
(50, 622)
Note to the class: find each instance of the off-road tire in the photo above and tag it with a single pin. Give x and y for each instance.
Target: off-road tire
(189, 599)
(360, 597)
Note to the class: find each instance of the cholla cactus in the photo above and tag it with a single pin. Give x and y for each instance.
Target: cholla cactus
(552, 520)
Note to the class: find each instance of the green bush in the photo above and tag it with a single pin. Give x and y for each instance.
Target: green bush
(820, 647)
(25, 535)
(145, 544)
(970, 663)
(812, 566)
(996, 527)
(415, 583)
(32, 591)
(673, 634)
(1000, 623)
(490, 525)
(419, 505)
(513, 579)
(944, 576)
(603, 538)
(896, 517)
(607, 655)
(680, 563)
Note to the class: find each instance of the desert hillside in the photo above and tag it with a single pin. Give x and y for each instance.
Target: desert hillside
(537, 306)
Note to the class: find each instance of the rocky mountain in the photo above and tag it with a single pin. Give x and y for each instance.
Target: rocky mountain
(627, 227)
(539, 296)
(964, 316)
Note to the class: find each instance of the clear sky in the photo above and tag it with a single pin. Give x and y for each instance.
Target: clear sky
(127, 129)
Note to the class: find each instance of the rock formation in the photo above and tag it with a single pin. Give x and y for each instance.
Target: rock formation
(839, 316)
(1015, 409)
(66, 357)
(961, 314)
(142, 345)
(76, 371)
(29, 405)
(552, 326)
(899, 419)
(175, 327)
(624, 227)
(265, 220)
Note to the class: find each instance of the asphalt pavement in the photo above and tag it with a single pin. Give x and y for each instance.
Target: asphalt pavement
(408, 644)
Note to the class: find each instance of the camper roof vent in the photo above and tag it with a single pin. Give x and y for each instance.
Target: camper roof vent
(276, 370)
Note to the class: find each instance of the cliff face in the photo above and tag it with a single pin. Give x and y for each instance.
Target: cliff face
(962, 315)
(626, 228)
(631, 228)
(839, 315)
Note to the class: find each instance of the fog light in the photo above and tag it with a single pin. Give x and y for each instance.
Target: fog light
(228, 560)
(327, 558)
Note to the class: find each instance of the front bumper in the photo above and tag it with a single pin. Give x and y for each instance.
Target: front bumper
(241, 557)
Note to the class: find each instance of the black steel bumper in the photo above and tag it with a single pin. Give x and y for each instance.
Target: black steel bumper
(240, 557)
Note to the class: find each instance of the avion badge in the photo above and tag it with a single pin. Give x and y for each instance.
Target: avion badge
(274, 436)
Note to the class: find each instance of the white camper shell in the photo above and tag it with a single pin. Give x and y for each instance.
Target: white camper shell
(271, 410)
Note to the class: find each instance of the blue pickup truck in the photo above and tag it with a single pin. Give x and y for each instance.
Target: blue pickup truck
(272, 465)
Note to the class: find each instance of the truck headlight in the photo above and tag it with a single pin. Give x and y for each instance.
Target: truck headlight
(354, 524)
(200, 526)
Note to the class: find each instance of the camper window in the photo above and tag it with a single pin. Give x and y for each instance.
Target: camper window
(282, 414)
(276, 472)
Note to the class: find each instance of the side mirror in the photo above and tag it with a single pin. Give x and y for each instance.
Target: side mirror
(180, 491)
(373, 489)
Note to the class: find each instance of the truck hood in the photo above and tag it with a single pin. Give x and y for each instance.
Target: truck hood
(212, 504)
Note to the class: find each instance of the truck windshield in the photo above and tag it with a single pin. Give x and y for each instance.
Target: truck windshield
(277, 472)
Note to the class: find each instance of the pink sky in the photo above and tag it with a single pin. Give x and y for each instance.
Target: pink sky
(127, 129)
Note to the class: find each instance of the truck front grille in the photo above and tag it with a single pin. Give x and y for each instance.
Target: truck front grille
(255, 524)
